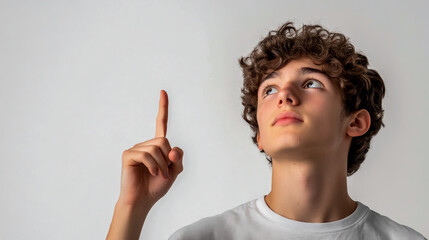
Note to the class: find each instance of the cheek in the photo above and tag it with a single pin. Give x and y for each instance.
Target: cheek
(259, 114)
(262, 116)
(328, 110)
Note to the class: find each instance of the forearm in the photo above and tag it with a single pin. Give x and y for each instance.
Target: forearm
(127, 221)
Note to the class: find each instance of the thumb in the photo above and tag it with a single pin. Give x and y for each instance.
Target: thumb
(176, 157)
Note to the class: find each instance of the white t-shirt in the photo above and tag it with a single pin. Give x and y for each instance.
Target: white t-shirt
(255, 220)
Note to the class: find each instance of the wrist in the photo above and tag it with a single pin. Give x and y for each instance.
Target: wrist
(128, 220)
(135, 207)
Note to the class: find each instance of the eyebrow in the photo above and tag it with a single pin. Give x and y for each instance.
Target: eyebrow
(308, 70)
(301, 71)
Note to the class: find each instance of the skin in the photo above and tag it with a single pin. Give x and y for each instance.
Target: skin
(309, 157)
(148, 171)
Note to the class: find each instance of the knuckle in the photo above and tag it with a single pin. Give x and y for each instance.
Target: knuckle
(144, 155)
(125, 153)
(126, 156)
(153, 148)
(161, 140)
(164, 140)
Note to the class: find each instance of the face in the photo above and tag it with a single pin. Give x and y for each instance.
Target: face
(313, 125)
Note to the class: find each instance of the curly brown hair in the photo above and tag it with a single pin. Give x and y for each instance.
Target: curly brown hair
(362, 88)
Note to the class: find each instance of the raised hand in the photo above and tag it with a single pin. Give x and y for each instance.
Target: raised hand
(150, 168)
(148, 171)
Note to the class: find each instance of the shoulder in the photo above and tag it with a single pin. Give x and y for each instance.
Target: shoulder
(387, 228)
(217, 226)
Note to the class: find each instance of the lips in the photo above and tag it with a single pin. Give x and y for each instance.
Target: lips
(287, 117)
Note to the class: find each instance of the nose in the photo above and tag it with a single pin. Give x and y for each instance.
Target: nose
(288, 96)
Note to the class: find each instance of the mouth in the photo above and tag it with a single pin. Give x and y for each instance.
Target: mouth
(285, 118)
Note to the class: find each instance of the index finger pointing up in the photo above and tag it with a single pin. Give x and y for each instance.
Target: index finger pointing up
(161, 120)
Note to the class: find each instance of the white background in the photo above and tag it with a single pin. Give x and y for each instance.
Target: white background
(80, 82)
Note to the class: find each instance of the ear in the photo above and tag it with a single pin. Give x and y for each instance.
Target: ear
(258, 137)
(359, 123)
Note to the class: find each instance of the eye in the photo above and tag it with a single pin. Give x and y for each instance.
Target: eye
(267, 90)
(312, 83)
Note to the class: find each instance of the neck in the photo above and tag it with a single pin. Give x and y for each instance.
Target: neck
(306, 192)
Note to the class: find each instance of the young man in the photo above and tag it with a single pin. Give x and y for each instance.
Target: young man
(313, 107)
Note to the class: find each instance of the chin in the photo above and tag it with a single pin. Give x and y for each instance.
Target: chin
(287, 141)
(285, 148)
